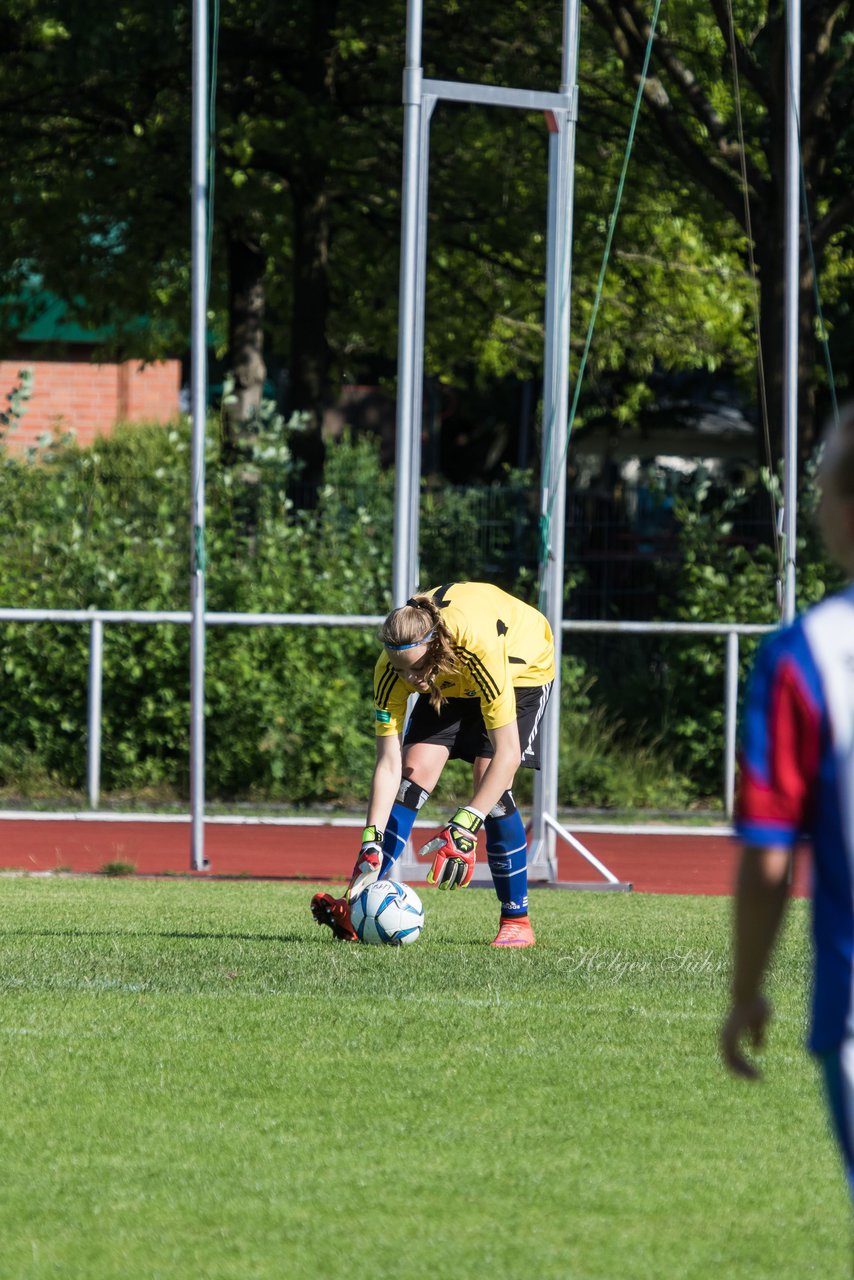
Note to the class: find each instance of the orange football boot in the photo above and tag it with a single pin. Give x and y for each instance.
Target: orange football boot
(515, 931)
(336, 913)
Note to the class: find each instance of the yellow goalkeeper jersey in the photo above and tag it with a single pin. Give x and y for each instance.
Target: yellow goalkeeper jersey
(500, 644)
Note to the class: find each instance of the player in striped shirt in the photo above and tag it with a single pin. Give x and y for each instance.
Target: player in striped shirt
(481, 663)
(797, 780)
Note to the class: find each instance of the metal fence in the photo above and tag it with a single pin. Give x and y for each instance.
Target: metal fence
(624, 547)
(96, 620)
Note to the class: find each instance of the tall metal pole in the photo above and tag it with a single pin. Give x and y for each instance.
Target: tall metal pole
(555, 408)
(96, 682)
(792, 298)
(407, 478)
(416, 419)
(199, 381)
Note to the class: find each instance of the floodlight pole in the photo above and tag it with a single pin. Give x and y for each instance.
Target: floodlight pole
(562, 127)
(198, 392)
(792, 301)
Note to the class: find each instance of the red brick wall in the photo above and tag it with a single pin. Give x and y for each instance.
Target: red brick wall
(89, 398)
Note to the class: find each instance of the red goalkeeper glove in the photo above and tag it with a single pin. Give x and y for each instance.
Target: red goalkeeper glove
(454, 850)
(368, 863)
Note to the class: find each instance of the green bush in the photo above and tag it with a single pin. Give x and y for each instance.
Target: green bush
(287, 708)
(107, 528)
(718, 579)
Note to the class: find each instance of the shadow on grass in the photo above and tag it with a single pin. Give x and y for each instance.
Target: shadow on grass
(196, 936)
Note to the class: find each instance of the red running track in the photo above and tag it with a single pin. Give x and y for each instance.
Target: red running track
(681, 862)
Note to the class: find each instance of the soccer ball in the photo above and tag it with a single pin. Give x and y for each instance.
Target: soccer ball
(387, 912)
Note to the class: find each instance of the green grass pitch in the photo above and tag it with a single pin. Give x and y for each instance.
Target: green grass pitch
(196, 1082)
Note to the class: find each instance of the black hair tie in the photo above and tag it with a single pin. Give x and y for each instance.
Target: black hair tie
(413, 604)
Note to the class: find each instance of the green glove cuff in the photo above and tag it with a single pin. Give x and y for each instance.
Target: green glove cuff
(468, 819)
(372, 835)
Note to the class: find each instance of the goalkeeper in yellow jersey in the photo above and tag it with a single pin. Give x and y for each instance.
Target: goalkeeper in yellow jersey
(482, 665)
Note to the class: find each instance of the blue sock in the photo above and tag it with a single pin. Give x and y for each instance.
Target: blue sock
(507, 855)
(401, 820)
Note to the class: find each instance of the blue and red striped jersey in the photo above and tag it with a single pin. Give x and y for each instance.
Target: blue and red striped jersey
(797, 779)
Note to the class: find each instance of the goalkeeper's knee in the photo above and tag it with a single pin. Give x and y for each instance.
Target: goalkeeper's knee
(504, 806)
(410, 798)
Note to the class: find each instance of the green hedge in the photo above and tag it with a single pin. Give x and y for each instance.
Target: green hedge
(287, 708)
(108, 528)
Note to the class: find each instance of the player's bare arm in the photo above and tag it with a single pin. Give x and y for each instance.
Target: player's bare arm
(384, 787)
(500, 773)
(385, 781)
(760, 904)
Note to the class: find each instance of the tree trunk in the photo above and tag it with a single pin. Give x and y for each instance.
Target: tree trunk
(771, 262)
(246, 266)
(311, 356)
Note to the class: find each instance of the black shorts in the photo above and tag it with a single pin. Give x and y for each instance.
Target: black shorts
(459, 725)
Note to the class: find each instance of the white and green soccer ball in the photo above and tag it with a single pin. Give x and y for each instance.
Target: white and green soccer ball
(387, 913)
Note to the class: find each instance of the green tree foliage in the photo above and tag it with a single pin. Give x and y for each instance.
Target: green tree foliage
(691, 142)
(95, 131)
(94, 158)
